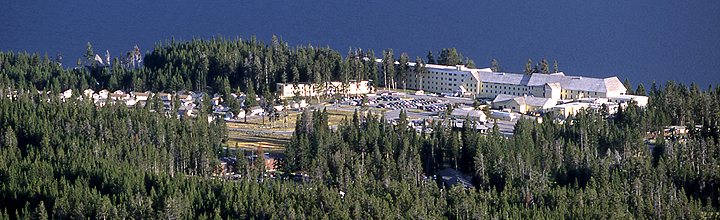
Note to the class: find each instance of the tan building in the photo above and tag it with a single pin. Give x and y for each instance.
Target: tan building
(641, 101)
(568, 109)
(310, 90)
(523, 104)
(469, 112)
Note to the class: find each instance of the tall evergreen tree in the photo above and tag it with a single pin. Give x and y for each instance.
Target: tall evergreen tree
(528, 68)
(388, 66)
(494, 66)
(544, 68)
(420, 71)
(403, 69)
(430, 58)
(640, 90)
(250, 99)
(630, 90)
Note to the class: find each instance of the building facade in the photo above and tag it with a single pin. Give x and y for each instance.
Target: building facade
(483, 83)
(287, 90)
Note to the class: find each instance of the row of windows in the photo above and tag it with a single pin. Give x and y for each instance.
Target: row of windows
(512, 88)
(436, 88)
(443, 84)
(440, 78)
(505, 87)
(449, 74)
(503, 92)
(436, 83)
(578, 92)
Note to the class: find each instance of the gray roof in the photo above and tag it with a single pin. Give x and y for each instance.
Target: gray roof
(614, 84)
(500, 98)
(453, 177)
(503, 78)
(554, 85)
(470, 113)
(535, 101)
(522, 100)
(577, 83)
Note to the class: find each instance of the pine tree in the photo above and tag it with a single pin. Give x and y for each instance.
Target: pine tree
(250, 98)
(494, 66)
(544, 68)
(41, 212)
(90, 55)
(430, 58)
(628, 87)
(528, 68)
(388, 66)
(640, 90)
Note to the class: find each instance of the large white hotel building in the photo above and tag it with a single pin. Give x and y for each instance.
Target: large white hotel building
(483, 83)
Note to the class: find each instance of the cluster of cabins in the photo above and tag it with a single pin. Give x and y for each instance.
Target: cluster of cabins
(228, 165)
(187, 100)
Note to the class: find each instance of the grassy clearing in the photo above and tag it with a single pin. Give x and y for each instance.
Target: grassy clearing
(283, 124)
(288, 123)
(273, 143)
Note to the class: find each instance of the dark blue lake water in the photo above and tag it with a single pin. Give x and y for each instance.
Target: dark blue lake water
(639, 40)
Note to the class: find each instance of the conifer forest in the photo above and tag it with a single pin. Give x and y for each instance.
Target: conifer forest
(70, 159)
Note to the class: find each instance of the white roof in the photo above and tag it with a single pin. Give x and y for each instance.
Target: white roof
(536, 101)
(465, 112)
(577, 83)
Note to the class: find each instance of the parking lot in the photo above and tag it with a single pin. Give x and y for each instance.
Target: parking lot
(417, 107)
(389, 102)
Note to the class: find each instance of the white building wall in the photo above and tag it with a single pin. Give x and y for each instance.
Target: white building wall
(447, 79)
(308, 90)
(440, 80)
(493, 89)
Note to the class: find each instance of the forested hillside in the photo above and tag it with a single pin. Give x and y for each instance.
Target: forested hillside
(198, 65)
(72, 160)
(208, 65)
